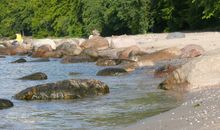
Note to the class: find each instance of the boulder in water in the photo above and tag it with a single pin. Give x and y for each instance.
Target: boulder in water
(21, 60)
(200, 72)
(4, 103)
(35, 76)
(112, 72)
(77, 59)
(67, 89)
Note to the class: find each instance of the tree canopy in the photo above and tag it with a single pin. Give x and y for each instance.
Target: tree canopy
(77, 18)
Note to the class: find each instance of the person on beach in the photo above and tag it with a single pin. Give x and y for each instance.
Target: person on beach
(18, 41)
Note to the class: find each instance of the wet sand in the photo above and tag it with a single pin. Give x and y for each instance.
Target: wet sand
(201, 107)
(200, 111)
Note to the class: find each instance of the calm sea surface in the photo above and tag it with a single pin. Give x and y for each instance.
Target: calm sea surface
(132, 97)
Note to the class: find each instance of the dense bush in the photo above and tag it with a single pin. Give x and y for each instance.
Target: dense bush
(77, 18)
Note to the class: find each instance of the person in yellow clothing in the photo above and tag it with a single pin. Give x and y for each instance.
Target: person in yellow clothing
(18, 41)
(19, 38)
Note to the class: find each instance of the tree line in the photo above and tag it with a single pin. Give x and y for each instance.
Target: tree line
(77, 18)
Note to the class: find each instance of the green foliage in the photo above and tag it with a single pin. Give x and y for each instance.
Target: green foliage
(77, 18)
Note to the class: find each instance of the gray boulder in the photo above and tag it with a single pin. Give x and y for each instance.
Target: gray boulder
(175, 35)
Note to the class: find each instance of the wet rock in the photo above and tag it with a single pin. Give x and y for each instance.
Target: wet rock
(97, 42)
(74, 73)
(77, 59)
(200, 72)
(41, 51)
(108, 62)
(69, 49)
(2, 56)
(164, 71)
(191, 51)
(112, 72)
(41, 60)
(21, 60)
(175, 35)
(35, 76)
(4, 103)
(67, 89)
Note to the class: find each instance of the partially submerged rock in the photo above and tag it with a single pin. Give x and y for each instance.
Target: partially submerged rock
(164, 71)
(21, 60)
(35, 76)
(77, 59)
(112, 72)
(198, 73)
(4, 103)
(67, 89)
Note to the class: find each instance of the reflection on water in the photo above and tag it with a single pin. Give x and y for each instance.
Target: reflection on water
(132, 97)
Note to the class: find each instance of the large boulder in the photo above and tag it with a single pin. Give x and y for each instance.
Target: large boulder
(112, 72)
(191, 51)
(4, 103)
(35, 76)
(150, 59)
(77, 59)
(69, 49)
(198, 73)
(122, 42)
(129, 52)
(42, 51)
(41, 42)
(67, 89)
(97, 42)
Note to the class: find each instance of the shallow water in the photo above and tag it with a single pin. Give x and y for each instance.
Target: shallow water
(132, 97)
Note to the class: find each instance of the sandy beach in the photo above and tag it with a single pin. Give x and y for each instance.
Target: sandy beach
(201, 108)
